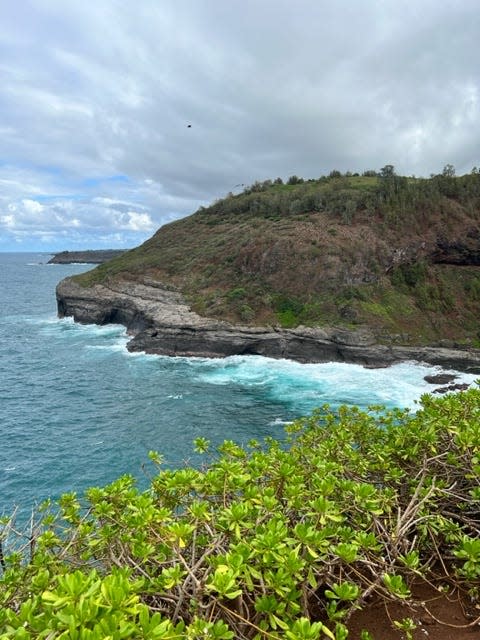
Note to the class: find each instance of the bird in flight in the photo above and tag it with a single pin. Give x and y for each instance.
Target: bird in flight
(189, 126)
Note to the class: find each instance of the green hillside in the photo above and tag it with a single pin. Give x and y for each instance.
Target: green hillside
(400, 255)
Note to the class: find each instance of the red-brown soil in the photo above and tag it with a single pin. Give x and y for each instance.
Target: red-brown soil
(438, 616)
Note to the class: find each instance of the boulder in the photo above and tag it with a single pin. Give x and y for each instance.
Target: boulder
(440, 378)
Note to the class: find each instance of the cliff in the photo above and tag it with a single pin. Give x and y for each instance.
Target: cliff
(92, 256)
(161, 322)
(392, 264)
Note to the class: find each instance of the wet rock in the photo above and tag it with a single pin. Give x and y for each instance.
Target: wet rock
(440, 378)
(452, 387)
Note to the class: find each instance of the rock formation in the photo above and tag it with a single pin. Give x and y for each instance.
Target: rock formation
(160, 322)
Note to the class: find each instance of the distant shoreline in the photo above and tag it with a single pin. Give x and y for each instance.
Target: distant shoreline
(91, 256)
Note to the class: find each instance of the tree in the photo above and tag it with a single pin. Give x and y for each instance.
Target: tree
(448, 171)
(387, 171)
(294, 180)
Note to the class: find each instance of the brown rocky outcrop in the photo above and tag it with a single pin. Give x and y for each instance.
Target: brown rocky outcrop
(461, 251)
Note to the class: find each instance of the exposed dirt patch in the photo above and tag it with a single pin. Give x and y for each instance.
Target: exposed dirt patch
(437, 615)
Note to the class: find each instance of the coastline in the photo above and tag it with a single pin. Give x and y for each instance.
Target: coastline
(161, 322)
(91, 256)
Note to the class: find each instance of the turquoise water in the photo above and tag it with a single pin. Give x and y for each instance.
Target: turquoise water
(76, 409)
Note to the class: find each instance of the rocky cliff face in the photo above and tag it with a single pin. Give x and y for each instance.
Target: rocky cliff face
(161, 322)
(464, 251)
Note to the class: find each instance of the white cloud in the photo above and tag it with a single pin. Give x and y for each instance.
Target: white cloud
(32, 207)
(8, 221)
(139, 222)
(96, 99)
(94, 220)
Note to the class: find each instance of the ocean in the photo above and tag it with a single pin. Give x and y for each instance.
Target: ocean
(78, 410)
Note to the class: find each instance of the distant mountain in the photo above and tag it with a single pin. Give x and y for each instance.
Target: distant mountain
(394, 256)
(95, 256)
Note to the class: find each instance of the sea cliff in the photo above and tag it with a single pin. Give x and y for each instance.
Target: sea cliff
(161, 322)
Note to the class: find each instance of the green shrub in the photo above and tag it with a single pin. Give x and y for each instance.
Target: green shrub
(407, 276)
(246, 313)
(236, 294)
(288, 310)
(472, 288)
(266, 541)
(287, 319)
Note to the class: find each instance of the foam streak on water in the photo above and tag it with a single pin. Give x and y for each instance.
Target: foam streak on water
(76, 409)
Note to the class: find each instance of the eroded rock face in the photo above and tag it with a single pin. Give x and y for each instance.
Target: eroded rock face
(463, 251)
(161, 322)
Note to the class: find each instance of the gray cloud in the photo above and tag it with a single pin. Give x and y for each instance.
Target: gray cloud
(96, 99)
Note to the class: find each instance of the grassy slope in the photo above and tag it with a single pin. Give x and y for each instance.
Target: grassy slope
(323, 252)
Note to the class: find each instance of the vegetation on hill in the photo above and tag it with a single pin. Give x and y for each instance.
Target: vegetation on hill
(400, 255)
(270, 541)
(92, 256)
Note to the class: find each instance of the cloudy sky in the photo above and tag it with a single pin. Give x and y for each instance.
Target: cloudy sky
(96, 99)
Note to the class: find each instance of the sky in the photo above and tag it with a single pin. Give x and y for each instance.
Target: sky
(119, 116)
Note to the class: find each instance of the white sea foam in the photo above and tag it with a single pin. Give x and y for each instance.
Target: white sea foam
(279, 422)
(103, 331)
(141, 355)
(118, 345)
(312, 384)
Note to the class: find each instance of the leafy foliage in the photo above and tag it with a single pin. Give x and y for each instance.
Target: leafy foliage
(267, 541)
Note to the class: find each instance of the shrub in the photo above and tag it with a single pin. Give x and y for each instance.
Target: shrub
(246, 313)
(274, 540)
(472, 288)
(295, 180)
(408, 275)
(236, 294)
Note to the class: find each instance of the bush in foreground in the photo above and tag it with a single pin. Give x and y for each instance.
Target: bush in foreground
(266, 541)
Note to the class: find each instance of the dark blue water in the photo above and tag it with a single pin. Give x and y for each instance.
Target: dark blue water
(76, 409)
